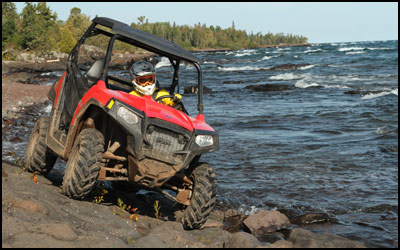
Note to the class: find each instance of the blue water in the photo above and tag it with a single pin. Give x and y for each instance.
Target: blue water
(314, 147)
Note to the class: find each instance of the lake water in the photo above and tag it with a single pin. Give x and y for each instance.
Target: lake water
(329, 143)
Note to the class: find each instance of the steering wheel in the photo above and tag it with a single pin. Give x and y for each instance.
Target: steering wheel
(178, 102)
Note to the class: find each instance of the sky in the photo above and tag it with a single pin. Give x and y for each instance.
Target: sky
(322, 22)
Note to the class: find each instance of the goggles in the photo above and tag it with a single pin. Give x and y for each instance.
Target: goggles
(145, 80)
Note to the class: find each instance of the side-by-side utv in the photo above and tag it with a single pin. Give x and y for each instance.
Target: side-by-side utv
(106, 134)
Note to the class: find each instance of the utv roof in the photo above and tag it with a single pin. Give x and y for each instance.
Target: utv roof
(146, 40)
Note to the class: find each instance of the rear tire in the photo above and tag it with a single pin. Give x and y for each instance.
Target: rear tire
(38, 158)
(83, 164)
(203, 197)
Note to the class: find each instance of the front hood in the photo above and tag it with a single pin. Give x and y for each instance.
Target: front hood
(153, 109)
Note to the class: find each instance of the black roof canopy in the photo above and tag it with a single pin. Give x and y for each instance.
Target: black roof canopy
(147, 41)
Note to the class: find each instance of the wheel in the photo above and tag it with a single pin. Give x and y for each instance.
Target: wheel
(203, 197)
(38, 158)
(83, 164)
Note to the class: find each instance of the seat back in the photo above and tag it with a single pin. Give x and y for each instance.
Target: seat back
(94, 73)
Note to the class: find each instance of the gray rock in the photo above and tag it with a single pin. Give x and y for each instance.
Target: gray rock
(149, 241)
(194, 90)
(264, 222)
(269, 87)
(243, 240)
(302, 238)
(279, 244)
(173, 235)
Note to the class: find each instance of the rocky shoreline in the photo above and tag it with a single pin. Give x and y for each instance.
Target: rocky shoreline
(36, 214)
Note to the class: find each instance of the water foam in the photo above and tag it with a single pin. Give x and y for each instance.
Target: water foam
(307, 67)
(313, 50)
(289, 76)
(355, 52)
(239, 68)
(47, 109)
(266, 58)
(384, 93)
(163, 63)
(350, 49)
(303, 84)
(245, 53)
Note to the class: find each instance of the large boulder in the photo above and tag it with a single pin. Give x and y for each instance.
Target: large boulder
(264, 222)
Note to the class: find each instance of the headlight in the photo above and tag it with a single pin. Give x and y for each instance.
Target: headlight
(204, 140)
(127, 115)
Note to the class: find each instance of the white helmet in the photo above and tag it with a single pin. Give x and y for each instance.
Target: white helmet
(143, 77)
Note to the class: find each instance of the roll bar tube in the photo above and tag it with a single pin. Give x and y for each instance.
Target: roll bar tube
(200, 106)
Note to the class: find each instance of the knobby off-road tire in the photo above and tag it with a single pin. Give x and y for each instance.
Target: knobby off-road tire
(38, 158)
(83, 164)
(203, 197)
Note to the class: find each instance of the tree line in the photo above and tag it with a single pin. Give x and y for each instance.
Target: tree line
(38, 29)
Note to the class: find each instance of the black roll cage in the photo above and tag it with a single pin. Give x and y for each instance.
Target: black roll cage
(161, 46)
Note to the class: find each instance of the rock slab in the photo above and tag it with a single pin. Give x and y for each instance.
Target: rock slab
(264, 222)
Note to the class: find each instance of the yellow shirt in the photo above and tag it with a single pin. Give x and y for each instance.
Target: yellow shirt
(161, 92)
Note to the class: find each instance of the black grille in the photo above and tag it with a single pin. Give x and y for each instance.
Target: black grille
(161, 144)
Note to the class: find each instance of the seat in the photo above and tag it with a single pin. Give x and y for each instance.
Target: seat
(94, 72)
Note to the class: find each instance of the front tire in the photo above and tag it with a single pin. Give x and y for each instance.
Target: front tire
(203, 197)
(38, 157)
(83, 164)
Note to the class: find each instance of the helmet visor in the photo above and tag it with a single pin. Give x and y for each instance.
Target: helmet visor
(145, 80)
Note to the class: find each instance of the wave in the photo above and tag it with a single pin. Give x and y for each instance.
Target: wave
(245, 53)
(307, 67)
(337, 86)
(163, 63)
(355, 52)
(313, 50)
(350, 49)
(267, 58)
(240, 68)
(303, 84)
(289, 76)
(376, 95)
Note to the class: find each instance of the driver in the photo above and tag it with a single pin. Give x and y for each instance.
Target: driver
(144, 80)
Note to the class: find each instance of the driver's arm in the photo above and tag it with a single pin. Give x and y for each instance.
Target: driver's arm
(168, 101)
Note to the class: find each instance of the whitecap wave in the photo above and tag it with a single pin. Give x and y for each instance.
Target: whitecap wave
(163, 63)
(313, 50)
(289, 76)
(303, 84)
(307, 67)
(376, 95)
(245, 53)
(239, 68)
(336, 86)
(355, 52)
(350, 49)
(266, 58)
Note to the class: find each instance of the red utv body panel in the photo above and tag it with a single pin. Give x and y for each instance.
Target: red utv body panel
(146, 104)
